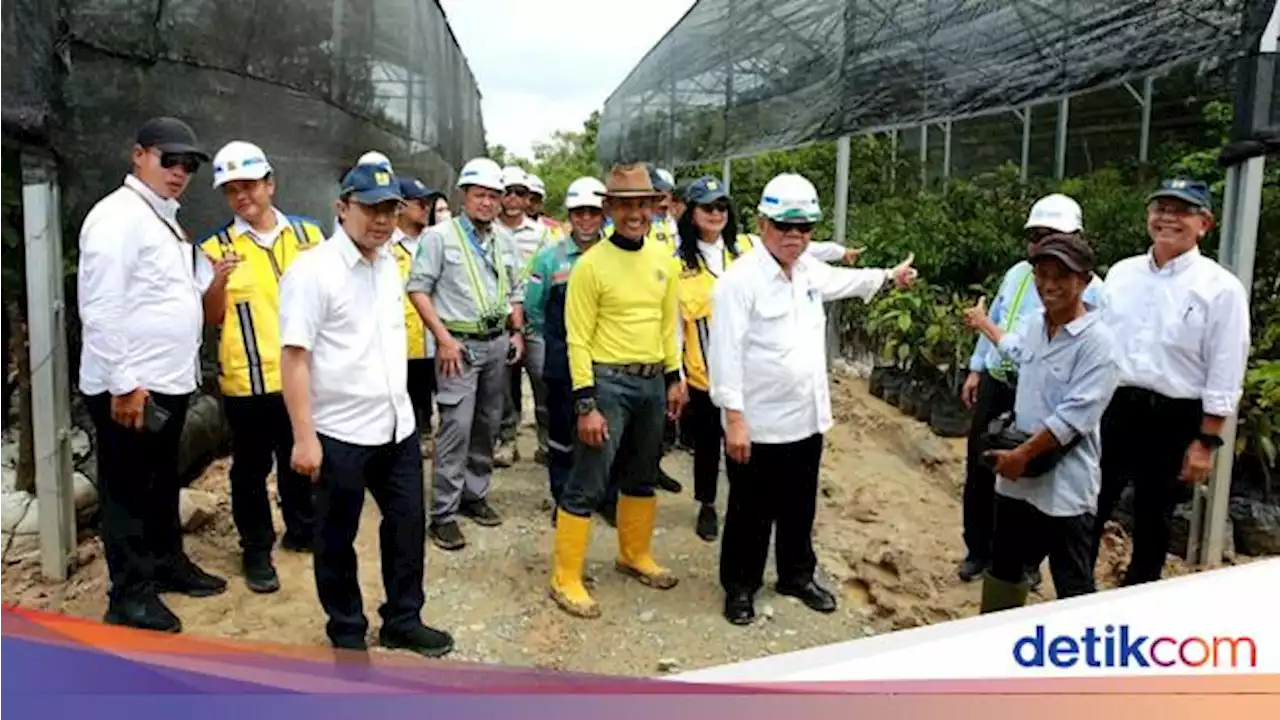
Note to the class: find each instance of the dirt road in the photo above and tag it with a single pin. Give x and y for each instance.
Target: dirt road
(887, 536)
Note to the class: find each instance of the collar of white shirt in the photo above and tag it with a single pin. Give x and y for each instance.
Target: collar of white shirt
(1082, 323)
(772, 269)
(1176, 265)
(167, 207)
(711, 246)
(241, 226)
(351, 254)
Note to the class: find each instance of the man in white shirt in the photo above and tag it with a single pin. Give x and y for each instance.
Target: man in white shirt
(141, 315)
(529, 237)
(345, 384)
(769, 375)
(1181, 324)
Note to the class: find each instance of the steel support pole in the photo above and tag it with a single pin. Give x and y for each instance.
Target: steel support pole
(893, 163)
(1241, 207)
(1026, 143)
(842, 188)
(727, 173)
(946, 150)
(1060, 141)
(924, 156)
(1144, 139)
(50, 391)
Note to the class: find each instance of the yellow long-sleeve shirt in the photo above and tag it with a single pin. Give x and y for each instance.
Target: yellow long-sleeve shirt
(621, 308)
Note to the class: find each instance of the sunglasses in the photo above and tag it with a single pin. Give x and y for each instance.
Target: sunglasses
(715, 207)
(189, 162)
(518, 192)
(801, 227)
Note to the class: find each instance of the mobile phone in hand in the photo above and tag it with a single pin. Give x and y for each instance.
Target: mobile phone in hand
(154, 417)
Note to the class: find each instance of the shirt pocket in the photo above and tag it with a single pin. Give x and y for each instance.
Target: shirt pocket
(1185, 326)
(1055, 379)
(453, 255)
(776, 322)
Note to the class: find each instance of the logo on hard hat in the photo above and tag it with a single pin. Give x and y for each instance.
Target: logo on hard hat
(231, 165)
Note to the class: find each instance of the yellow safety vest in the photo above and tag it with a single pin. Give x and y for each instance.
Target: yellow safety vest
(696, 287)
(493, 308)
(249, 350)
(414, 328)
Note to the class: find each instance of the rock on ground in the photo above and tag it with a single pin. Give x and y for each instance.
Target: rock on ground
(83, 491)
(15, 507)
(196, 508)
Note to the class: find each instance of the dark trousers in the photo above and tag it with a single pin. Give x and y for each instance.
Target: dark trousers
(422, 386)
(561, 431)
(994, 398)
(512, 402)
(392, 473)
(635, 409)
(703, 419)
(1144, 439)
(1024, 536)
(260, 432)
(138, 491)
(779, 484)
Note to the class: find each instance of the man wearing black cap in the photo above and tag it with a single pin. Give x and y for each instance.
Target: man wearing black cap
(421, 345)
(1047, 486)
(1181, 323)
(345, 384)
(141, 312)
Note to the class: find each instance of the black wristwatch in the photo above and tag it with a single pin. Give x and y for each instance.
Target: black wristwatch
(1213, 442)
(584, 406)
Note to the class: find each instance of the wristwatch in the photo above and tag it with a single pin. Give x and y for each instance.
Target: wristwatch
(1213, 442)
(584, 406)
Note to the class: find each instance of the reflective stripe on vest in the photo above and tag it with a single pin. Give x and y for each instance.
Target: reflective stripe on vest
(415, 329)
(249, 350)
(1003, 370)
(491, 307)
(696, 287)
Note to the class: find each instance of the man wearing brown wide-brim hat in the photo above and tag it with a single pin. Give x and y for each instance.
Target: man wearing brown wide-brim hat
(625, 365)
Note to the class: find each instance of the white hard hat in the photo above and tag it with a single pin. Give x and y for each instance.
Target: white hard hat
(373, 157)
(482, 172)
(584, 192)
(536, 187)
(513, 176)
(1057, 212)
(790, 198)
(239, 160)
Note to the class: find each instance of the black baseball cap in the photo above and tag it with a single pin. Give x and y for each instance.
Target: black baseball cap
(170, 135)
(1070, 249)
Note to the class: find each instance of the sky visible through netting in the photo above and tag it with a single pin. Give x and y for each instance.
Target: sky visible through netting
(738, 77)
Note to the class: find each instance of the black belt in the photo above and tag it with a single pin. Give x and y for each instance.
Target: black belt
(488, 335)
(644, 370)
(1143, 397)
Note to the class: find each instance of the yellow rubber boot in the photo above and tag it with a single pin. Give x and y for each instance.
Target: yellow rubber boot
(573, 534)
(635, 534)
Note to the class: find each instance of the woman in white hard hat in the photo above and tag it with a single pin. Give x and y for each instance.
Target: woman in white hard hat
(989, 387)
(262, 243)
(768, 373)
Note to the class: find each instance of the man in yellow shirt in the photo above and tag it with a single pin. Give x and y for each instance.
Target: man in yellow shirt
(624, 362)
(260, 244)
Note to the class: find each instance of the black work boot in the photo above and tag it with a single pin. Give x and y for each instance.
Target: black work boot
(259, 573)
(972, 567)
(143, 613)
(481, 513)
(708, 526)
(185, 577)
(668, 483)
(419, 638)
(447, 536)
(814, 596)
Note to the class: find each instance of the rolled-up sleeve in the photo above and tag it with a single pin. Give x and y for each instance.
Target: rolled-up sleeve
(108, 258)
(732, 303)
(303, 303)
(428, 263)
(1093, 381)
(1228, 352)
(827, 252)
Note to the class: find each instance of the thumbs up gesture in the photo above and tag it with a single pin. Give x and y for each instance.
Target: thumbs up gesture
(976, 316)
(903, 275)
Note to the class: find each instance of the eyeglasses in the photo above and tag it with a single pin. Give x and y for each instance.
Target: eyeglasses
(803, 228)
(716, 207)
(518, 192)
(188, 161)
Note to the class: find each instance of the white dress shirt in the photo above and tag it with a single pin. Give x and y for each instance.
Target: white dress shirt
(528, 237)
(349, 314)
(140, 307)
(768, 355)
(1182, 330)
(240, 226)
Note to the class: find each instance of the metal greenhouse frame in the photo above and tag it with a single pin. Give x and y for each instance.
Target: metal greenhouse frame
(735, 78)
